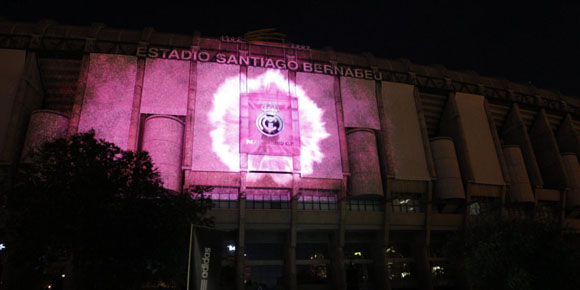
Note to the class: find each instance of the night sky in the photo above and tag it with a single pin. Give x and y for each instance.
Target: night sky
(526, 42)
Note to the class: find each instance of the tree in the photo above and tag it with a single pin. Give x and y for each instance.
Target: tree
(516, 254)
(99, 215)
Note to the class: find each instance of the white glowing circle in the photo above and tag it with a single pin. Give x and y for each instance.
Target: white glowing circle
(225, 113)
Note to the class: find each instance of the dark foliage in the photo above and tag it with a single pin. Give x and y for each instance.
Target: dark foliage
(86, 208)
(517, 254)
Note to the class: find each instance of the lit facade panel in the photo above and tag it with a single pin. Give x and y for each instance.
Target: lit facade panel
(165, 87)
(572, 166)
(216, 133)
(359, 103)
(406, 152)
(520, 187)
(320, 89)
(547, 153)
(479, 141)
(449, 184)
(108, 99)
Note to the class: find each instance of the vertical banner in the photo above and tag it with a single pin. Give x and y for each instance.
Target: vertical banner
(206, 259)
(268, 124)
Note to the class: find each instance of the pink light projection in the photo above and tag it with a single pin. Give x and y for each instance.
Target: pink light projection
(225, 117)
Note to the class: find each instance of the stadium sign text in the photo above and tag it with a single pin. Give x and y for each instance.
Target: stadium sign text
(258, 61)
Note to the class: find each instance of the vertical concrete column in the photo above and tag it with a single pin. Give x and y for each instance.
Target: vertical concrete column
(27, 95)
(424, 134)
(336, 249)
(572, 167)
(295, 116)
(44, 126)
(163, 139)
(341, 136)
(520, 187)
(189, 119)
(426, 281)
(547, 152)
(365, 178)
(136, 107)
(450, 126)
(291, 261)
(240, 260)
(79, 95)
(243, 90)
(515, 132)
(427, 234)
(449, 184)
(568, 137)
(497, 142)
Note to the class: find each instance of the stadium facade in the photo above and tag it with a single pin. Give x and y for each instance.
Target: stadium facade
(328, 170)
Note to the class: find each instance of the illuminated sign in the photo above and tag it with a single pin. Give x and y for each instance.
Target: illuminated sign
(205, 268)
(268, 128)
(258, 61)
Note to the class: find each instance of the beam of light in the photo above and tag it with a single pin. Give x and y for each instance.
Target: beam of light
(225, 115)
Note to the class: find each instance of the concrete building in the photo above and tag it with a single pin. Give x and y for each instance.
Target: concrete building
(329, 170)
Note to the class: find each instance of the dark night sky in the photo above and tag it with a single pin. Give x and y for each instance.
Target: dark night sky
(520, 42)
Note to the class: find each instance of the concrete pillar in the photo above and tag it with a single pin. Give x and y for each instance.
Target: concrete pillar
(365, 175)
(163, 138)
(291, 261)
(573, 170)
(547, 153)
(136, 107)
(240, 260)
(449, 184)
(514, 132)
(79, 95)
(336, 251)
(520, 187)
(44, 126)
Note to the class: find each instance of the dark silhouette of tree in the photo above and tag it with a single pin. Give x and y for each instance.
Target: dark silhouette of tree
(98, 214)
(517, 254)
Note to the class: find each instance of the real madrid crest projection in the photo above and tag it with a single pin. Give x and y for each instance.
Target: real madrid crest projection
(270, 123)
(267, 124)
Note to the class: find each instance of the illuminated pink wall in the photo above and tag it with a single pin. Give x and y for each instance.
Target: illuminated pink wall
(359, 103)
(216, 129)
(320, 89)
(275, 82)
(165, 87)
(109, 97)
(311, 121)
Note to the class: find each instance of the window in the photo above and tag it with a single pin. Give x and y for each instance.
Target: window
(482, 205)
(547, 210)
(267, 198)
(407, 202)
(312, 263)
(224, 197)
(312, 199)
(355, 204)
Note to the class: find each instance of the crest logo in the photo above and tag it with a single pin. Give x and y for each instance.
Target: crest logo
(269, 122)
